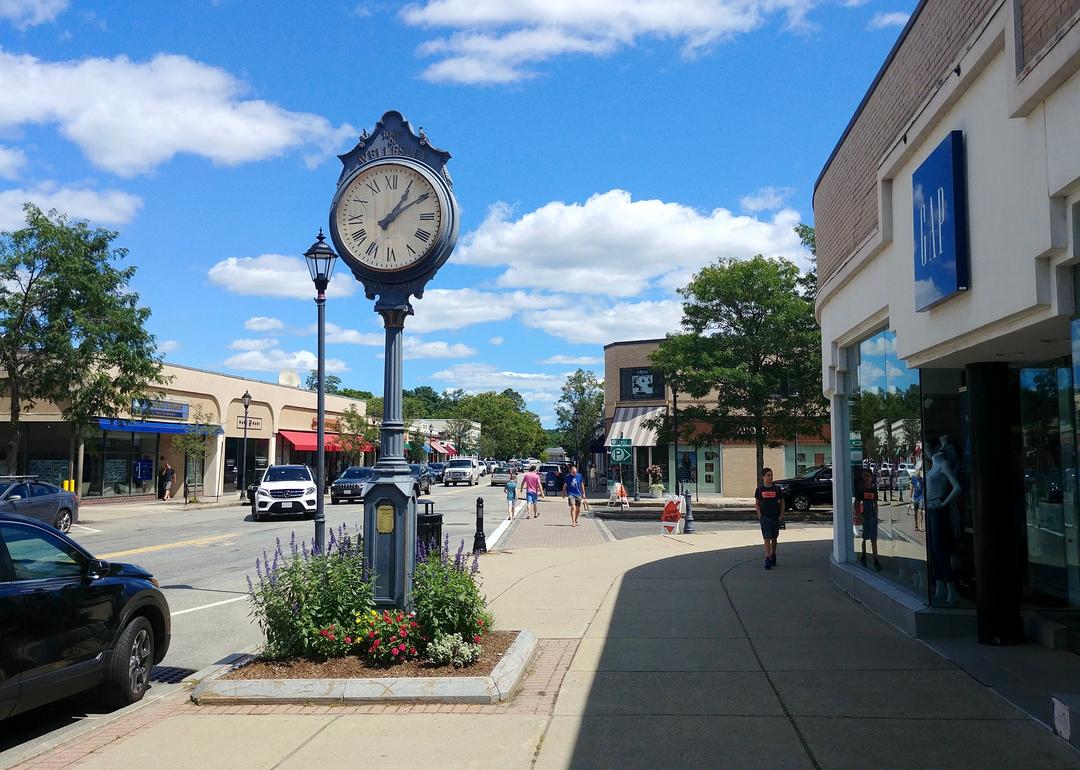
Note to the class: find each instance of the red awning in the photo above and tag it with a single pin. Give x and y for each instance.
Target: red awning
(437, 446)
(450, 449)
(308, 441)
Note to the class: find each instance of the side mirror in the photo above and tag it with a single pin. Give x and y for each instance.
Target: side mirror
(97, 569)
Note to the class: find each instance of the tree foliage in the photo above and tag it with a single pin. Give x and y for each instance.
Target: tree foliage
(194, 443)
(332, 382)
(507, 429)
(580, 412)
(71, 331)
(750, 353)
(356, 432)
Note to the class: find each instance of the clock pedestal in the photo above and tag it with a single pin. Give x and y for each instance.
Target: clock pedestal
(389, 506)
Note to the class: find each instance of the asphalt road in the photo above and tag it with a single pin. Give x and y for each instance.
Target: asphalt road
(202, 559)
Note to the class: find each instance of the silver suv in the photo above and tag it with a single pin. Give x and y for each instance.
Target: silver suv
(462, 470)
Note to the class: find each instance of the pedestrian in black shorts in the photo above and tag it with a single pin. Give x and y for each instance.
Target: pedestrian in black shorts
(770, 510)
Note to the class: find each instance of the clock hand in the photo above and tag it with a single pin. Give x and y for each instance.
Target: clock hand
(421, 199)
(385, 221)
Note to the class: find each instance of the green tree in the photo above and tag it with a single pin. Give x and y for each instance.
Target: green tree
(332, 382)
(751, 349)
(507, 427)
(808, 282)
(194, 443)
(460, 432)
(71, 332)
(359, 395)
(432, 402)
(355, 432)
(580, 411)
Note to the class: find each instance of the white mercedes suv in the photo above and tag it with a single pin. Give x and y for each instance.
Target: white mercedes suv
(285, 489)
(462, 470)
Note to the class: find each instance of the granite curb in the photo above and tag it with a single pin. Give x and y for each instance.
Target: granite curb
(498, 686)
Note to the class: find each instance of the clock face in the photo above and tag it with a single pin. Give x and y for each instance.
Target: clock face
(389, 216)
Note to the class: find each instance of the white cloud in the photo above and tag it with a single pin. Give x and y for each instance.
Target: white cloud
(128, 117)
(12, 161)
(106, 207)
(458, 308)
(496, 341)
(30, 13)
(261, 323)
(496, 41)
(273, 275)
(264, 343)
(534, 387)
(275, 360)
(335, 333)
(614, 245)
(890, 19)
(168, 346)
(611, 323)
(571, 360)
(766, 199)
(415, 348)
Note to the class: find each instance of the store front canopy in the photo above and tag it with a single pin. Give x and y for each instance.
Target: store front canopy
(437, 446)
(629, 422)
(146, 426)
(308, 441)
(450, 450)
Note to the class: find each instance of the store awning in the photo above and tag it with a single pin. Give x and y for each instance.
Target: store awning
(308, 441)
(450, 449)
(437, 446)
(629, 422)
(146, 426)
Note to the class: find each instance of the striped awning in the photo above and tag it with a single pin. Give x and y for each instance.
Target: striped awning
(629, 422)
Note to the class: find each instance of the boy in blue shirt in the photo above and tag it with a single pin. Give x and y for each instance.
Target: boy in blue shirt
(511, 495)
(574, 488)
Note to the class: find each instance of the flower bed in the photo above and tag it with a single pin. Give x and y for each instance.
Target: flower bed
(317, 610)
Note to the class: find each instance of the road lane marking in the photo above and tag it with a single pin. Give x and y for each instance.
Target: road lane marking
(165, 546)
(88, 529)
(208, 606)
(501, 529)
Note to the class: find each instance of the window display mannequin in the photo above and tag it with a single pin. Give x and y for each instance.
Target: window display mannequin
(942, 488)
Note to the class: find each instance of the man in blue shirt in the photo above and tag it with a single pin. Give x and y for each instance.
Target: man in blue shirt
(574, 489)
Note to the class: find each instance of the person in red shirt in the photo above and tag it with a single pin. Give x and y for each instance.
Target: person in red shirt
(534, 490)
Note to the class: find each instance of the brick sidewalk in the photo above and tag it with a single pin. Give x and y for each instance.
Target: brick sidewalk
(553, 530)
(537, 696)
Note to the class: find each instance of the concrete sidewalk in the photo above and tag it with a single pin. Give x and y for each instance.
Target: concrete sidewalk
(655, 652)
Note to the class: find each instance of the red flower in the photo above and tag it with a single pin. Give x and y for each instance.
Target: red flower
(413, 624)
(331, 626)
(476, 638)
(404, 632)
(394, 651)
(371, 633)
(480, 621)
(348, 640)
(412, 650)
(332, 637)
(393, 638)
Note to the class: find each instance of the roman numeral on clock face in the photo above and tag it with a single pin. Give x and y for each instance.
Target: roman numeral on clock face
(411, 249)
(372, 248)
(428, 215)
(356, 220)
(359, 236)
(422, 234)
(391, 181)
(390, 255)
(373, 185)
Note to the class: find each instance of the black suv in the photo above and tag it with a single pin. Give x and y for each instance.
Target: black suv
(422, 476)
(350, 484)
(813, 487)
(72, 622)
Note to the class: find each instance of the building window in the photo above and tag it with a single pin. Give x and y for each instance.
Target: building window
(640, 383)
(886, 455)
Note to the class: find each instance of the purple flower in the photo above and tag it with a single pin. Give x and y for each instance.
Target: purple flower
(458, 557)
(303, 546)
(292, 544)
(251, 587)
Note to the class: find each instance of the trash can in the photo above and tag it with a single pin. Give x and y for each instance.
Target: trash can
(429, 528)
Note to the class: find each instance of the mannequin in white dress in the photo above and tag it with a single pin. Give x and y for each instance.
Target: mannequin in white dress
(942, 488)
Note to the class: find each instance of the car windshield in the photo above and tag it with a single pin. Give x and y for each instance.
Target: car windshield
(549, 468)
(285, 473)
(809, 473)
(414, 469)
(461, 463)
(501, 469)
(356, 473)
(436, 466)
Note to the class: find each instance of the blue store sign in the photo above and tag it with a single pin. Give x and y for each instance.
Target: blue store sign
(150, 407)
(939, 216)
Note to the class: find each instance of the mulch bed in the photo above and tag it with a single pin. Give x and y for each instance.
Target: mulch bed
(495, 645)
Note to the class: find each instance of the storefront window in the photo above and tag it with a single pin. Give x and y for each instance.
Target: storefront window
(48, 450)
(144, 464)
(886, 453)
(117, 463)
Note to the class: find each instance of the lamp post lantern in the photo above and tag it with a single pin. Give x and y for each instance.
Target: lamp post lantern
(320, 259)
(246, 401)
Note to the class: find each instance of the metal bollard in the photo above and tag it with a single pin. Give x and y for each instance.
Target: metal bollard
(479, 544)
(688, 519)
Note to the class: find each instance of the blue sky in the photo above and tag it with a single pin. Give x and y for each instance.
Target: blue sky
(603, 151)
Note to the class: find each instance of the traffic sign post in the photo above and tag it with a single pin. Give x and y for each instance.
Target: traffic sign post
(621, 451)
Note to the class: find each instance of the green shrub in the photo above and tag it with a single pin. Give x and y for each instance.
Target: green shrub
(452, 650)
(446, 595)
(300, 595)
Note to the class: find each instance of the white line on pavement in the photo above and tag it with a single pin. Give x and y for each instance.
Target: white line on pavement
(501, 529)
(208, 606)
(88, 529)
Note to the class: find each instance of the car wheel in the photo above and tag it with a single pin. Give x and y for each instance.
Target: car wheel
(334, 501)
(256, 516)
(446, 483)
(63, 520)
(800, 503)
(128, 674)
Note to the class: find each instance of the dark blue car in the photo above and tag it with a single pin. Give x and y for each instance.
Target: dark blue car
(70, 622)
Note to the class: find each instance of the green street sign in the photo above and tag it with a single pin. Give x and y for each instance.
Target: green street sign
(621, 451)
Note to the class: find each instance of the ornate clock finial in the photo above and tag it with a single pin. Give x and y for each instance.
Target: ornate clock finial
(423, 136)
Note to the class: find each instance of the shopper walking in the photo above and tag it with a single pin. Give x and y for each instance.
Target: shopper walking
(574, 489)
(534, 490)
(168, 477)
(511, 496)
(770, 510)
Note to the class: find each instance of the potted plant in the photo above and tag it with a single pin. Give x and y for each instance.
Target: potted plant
(656, 481)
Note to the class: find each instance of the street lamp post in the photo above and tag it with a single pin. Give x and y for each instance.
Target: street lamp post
(246, 401)
(320, 258)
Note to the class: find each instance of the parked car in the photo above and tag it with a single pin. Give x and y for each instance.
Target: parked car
(437, 470)
(285, 489)
(350, 484)
(551, 476)
(422, 476)
(39, 500)
(72, 622)
(462, 470)
(812, 487)
(500, 475)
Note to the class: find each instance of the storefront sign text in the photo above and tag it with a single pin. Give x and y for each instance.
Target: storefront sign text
(253, 423)
(939, 219)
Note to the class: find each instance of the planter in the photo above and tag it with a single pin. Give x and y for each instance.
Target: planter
(656, 491)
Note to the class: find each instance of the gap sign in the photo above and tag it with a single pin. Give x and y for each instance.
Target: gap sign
(621, 451)
(939, 219)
